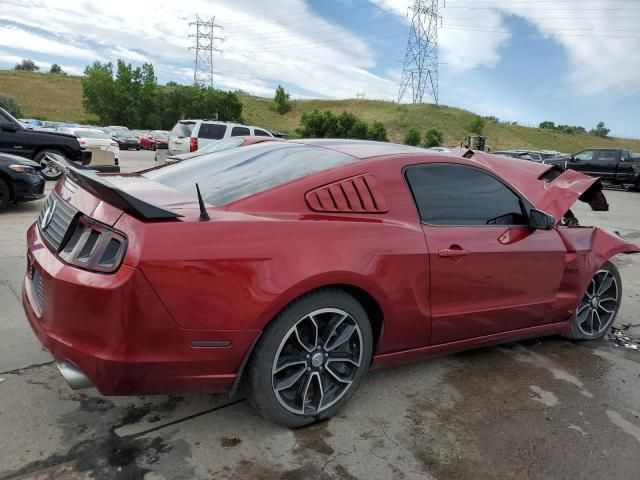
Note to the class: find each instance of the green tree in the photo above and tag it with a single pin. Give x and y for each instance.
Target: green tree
(548, 125)
(476, 125)
(412, 137)
(281, 99)
(377, 132)
(359, 130)
(99, 91)
(27, 65)
(11, 105)
(433, 138)
(600, 130)
(56, 69)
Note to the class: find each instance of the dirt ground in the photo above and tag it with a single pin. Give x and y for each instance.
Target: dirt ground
(540, 409)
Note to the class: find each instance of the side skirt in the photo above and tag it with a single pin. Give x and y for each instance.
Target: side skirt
(406, 356)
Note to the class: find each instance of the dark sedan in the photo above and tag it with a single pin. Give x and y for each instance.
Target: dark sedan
(20, 180)
(126, 140)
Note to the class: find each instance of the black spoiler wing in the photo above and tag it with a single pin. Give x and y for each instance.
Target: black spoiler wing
(101, 188)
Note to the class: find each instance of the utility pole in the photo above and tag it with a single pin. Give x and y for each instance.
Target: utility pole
(204, 47)
(420, 69)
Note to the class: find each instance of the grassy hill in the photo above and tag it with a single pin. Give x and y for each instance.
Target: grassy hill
(56, 97)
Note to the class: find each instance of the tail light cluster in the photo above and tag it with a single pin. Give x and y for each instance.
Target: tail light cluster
(193, 144)
(94, 247)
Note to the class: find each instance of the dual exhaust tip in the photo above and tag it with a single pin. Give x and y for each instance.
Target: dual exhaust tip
(74, 376)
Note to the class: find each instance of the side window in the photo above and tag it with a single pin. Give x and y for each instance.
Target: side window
(608, 156)
(447, 194)
(260, 133)
(238, 131)
(586, 156)
(626, 155)
(214, 131)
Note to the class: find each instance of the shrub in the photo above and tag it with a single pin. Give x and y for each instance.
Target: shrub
(281, 99)
(377, 132)
(433, 138)
(600, 130)
(476, 125)
(316, 124)
(27, 65)
(412, 137)
(11, 105)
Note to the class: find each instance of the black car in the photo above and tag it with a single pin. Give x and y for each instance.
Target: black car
(615, 166)
(35, 144)
(126, 140)
(20, 180)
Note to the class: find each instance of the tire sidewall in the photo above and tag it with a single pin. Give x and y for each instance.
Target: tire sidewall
(259, 382)
(5, 194)
(576, 334)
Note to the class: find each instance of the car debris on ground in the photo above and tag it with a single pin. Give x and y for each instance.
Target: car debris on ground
(621, 339)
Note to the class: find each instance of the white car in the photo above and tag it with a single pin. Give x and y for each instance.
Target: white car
(191, 135)
(92, 137)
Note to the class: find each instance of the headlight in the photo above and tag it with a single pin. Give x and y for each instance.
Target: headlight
(22, 169)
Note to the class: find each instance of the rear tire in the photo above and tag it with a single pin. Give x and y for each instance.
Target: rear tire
(310, 359)
(599, 306)
(50, 171)
(5, 194)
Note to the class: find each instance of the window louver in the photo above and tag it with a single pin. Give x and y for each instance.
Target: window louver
(360, 194)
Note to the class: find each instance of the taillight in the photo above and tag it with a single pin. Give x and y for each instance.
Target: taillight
(94, 246)
(82, 142)
(193, 144)
(114, 144)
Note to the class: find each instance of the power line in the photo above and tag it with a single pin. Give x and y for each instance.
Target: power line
(420, 69)
(204, 47)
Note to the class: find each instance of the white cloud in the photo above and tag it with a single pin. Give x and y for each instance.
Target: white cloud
(13, 37)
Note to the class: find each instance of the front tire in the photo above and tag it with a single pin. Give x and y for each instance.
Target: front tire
(599, 306)
(50, 170)
(5, 194)
(311, 359)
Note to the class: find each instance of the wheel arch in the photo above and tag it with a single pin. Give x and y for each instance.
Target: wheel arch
(9, 183)
(368, 301)
(66, 151)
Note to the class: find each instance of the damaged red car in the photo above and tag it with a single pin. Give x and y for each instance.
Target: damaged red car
(289, 269)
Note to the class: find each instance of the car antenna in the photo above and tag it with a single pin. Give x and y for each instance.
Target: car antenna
(204, 216)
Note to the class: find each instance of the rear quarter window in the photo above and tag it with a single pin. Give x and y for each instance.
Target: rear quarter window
(260, 133)
(230, 175)
(213, 131)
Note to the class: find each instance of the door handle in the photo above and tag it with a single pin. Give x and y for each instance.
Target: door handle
(453, 252)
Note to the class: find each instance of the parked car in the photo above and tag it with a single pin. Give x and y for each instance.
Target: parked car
(521, 154)
(220, 145)
(288, 268)
(615, 166)
(117, 128)
(35, 144)
(89, 137)
(20, 180)
(30, 123)
(154, 140)
(191, 135)
(440, 149)
(125, 140)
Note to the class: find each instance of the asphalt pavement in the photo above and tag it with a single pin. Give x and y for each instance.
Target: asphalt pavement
(540, 409)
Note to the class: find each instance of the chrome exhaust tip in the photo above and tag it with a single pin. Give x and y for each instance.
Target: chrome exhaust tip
(73, 376)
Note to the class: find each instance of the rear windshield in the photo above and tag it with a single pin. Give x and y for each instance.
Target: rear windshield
(182, 129)
(213, 131)
(230, 175)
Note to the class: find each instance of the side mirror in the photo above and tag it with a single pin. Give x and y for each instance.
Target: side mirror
(541, 221)
(8, 127)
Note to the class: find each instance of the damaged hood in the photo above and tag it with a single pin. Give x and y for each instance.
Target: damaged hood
(548, 189)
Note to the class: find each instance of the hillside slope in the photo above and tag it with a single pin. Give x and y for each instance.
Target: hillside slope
(56, 97)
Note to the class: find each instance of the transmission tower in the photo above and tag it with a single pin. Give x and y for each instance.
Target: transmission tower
(420, 70)
(205, 46)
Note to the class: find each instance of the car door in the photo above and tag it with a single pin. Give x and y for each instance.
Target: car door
(489, 272)
(13, 137)
(605, 164)
(582, 161)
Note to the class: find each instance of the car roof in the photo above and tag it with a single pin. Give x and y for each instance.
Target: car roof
(363, 148)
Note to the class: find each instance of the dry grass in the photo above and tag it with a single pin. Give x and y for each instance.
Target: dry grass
(57, 97)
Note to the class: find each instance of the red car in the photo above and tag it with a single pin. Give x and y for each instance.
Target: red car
(155, 140)
(291, 268)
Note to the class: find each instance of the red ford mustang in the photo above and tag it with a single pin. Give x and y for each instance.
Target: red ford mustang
(291, 268)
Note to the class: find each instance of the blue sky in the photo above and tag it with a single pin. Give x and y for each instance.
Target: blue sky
(569, 61)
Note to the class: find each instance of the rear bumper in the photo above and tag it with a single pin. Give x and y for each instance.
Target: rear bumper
(116, 332)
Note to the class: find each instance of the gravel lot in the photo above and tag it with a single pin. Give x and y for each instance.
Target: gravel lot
(547, 409)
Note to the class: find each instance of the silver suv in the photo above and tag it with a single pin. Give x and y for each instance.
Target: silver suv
(191, 135)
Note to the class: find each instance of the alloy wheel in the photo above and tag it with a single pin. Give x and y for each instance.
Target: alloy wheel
(599, 304)
(317, 361)
(49, 168)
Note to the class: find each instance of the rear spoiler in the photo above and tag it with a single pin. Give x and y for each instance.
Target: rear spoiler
(101, 188)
